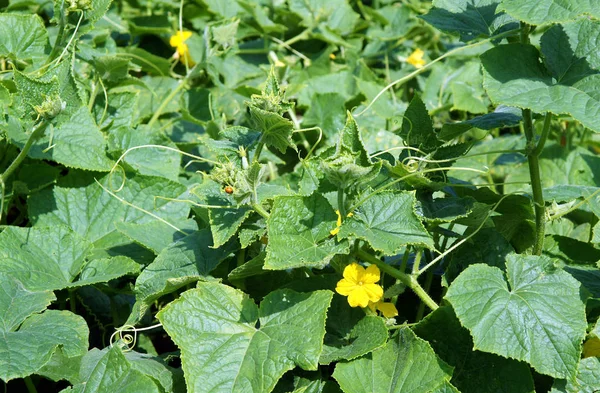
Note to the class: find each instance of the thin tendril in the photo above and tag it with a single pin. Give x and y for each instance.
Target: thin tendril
(458, 243)
(129, 340)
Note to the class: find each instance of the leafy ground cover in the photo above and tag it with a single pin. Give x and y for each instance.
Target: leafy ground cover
(299, 196)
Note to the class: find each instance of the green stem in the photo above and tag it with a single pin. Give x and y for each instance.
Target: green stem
(428, 281)
(35, 134)
(340, 200)
(545, 132)
(534, 164)
(405, 257)
(59, 36)
(30, 386)
(303, 35)
(407, 279)
(167, 100)
(260, 210)
(259, 148)
(417, 262)
(72, 301)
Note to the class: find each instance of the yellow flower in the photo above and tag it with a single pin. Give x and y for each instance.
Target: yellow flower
(359, 285)
(388, 309)
(416, 58)
(338, 224)
(182, 53)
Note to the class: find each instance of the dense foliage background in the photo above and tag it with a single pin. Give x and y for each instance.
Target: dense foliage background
(184, 185)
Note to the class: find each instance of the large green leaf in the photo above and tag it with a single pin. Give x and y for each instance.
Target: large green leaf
(188, 260)
(469, 18)
(417, 128)
(22, 37)
(587, 381)
(513, 75)
(156, 235)
(28, 339)
(276, 130)
(299, 233)
(538, 317)
(224, 223)
(52, 258)
(550, 11)
(113, 371)
(224, 350)
(76, 143)
(368, 334)
(149, 161)
(85, 207)
(387, 221)
(475, 371)
(406, 364)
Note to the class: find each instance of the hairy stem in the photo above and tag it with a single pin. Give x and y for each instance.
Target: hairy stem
(35, 134)
(534, 164)
(30, 386)
(407, 279)
(341, 203)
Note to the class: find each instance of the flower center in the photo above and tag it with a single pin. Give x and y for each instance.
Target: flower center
(360, 283)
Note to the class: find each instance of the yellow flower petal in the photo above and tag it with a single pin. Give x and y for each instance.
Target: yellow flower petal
(334, 231)
(339, 219)
(353, 272)
(374, 292)
(358, 297)
(371, 275)
(179, 38)
(388, 309)
(345, 287)
(416, 58)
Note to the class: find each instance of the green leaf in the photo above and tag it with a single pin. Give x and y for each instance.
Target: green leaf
(569, 50)
(405, 364)
(387, 221)
(224, 223)
(188, 260)
(112, 68)
(149, 161)
(475, 371)
(276, 130)
(469, 18)
(445, 209)
(326, 111)
(298, 230)
(587, 380)
(253, 267)
(417, 128)
(24, 351)
(367, 335)
(76, 143)
(156, 235)
(22, 37)
(550, 11)
(110, 371)
(54, 258)
(538, 317)
(120, 111)
(514, 76)
(503, 116)
(97, 211)
(218, 322)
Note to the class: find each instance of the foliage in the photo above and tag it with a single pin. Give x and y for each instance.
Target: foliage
(300, 196)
